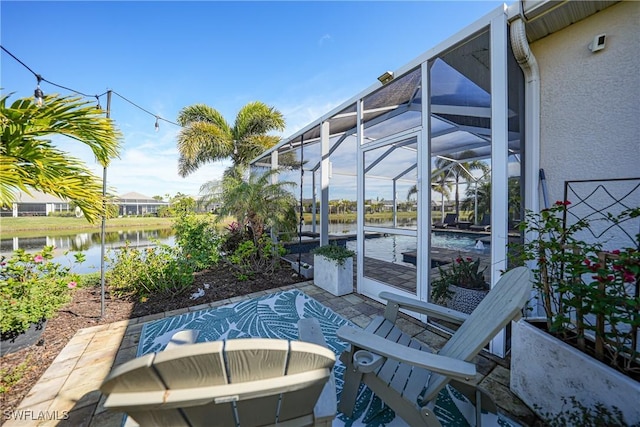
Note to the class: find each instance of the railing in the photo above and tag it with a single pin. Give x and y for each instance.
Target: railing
(600, 200)
(601, 203)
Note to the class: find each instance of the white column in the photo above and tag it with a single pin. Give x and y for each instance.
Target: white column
(360, 196)
(324, 183)
(499, 159)
(424, 191)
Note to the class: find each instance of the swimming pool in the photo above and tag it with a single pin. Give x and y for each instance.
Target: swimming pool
(390, 248)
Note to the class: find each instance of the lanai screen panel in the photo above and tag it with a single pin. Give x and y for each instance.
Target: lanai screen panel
(394, 108)
(390, 179)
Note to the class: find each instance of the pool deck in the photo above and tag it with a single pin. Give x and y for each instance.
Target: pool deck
(67, 393)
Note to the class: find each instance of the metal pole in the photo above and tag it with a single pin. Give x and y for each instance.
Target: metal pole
(104, 220)
(301, 203)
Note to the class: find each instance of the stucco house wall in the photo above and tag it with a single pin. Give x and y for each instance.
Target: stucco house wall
(590, 102)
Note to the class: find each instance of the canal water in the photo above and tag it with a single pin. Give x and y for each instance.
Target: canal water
(87, 243)
(389, 248)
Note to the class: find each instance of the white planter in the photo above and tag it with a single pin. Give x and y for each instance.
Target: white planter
(545, 369)
(332, 277)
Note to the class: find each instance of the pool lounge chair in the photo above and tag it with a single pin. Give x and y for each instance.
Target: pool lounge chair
(450, 219)
(403, 371)
(251, 381)
(484, 225)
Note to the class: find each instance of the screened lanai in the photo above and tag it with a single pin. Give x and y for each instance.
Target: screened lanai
(440, 135)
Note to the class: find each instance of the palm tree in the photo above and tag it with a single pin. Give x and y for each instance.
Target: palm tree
(207, 137)
(458, 170)
(478, 195)
(439, 183)
(28, 161)
(258, 203)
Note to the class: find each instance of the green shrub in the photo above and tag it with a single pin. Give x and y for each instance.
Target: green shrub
(32, 288)
(140, 273)
(335, 252)
(11, 376)
(197, 239)
(89, 280)
(250, 258)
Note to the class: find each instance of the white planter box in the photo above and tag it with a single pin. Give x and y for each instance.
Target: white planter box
(333, 278)
(545, 369)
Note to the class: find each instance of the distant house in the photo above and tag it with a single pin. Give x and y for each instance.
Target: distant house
(138, 204)
(35, 204)
(41, 204)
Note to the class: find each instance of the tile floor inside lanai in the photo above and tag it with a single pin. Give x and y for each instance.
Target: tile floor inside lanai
(69, 388)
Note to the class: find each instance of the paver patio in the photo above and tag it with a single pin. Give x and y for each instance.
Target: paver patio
(67, 393)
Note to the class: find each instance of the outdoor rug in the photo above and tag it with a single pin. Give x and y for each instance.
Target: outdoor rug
(276, 316)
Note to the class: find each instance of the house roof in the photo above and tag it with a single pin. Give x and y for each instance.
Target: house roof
(544, 17)
(134, 196)
(37, 197)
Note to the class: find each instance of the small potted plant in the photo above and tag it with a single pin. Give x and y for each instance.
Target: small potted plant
(333, 269)
(303, 269)
(32, 289)
(461, 285)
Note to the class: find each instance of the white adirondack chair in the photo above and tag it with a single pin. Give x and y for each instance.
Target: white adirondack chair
(255, 382)
(404, 372)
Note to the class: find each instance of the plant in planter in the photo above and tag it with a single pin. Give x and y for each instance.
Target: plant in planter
(333, 269)
(589, 299)
(305, 270)
(32, 289)
(461, 285)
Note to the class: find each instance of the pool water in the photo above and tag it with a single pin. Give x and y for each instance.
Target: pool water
(390, 248)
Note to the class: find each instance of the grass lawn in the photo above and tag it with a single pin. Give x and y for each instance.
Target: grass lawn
(22, 225)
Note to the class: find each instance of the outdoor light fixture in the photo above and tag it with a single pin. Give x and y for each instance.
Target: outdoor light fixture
(598, 43)
(98, 106)
(38, 94)
(157, 124)
(386, 77)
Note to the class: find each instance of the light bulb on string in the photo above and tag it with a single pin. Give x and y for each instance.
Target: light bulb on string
(98, 106)
(157, 124)
(38, 94)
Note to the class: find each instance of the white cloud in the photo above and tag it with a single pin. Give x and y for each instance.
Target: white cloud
(148, 164)
(324, 38)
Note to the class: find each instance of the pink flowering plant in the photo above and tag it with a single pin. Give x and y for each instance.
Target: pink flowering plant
(32, 288)
(464, 272)
(589, 296)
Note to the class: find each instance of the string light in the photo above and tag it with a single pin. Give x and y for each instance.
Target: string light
(39, 94)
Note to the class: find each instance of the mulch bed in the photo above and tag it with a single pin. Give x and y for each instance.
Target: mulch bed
(84, 311)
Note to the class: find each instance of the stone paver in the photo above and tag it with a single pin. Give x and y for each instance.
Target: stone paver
(68, 394)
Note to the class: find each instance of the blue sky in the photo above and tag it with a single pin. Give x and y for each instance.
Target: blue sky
(304, 58)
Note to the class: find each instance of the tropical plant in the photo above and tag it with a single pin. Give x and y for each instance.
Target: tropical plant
(140, 273)
(258, 203)
(251, 257)
(459, 170)
(197, 239)
(32, 288)
(336, 253)
(462, 272)
(207, 137)
(29, 161)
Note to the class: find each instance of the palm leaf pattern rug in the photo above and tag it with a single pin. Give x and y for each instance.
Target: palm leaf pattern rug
(276, 316)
